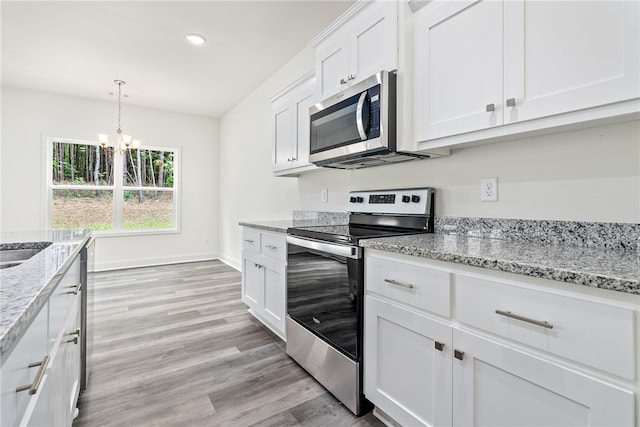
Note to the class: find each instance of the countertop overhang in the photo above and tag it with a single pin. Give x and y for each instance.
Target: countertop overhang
(25, 288)
(612, 269)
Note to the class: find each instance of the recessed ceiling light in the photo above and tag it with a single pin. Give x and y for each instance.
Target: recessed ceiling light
(196, 39)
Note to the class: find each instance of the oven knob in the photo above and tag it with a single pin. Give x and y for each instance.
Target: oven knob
(406, 199)
(359, 199)
(352, 200)
(415, 198)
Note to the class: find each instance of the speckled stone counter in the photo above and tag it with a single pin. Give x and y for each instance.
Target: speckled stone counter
(605, 268)
(300, 219)
(25, 288)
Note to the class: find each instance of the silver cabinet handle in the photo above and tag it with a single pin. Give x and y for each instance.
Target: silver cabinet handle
(343, 82)
(258, 265)
(541, 323)
(33, 387)
(439, 345)
(76, 335)
(248, 240)
(272, 247)
(511, 102)
(292, 159)
(458, 354)
(395, 282)
(351, 77)
(490, 108)
(77, 288)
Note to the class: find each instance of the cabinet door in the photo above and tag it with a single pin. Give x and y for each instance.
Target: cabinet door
(252, 280)
(304, 100)
(274, 309)
(284, 134)
(332, 66)
(373, 41)
(71, 348)
(31, 348)
(458, 68)
(565, 56)
(494, 385)
(405, 375)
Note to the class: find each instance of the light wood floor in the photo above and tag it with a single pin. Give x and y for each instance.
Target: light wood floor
(175, 346)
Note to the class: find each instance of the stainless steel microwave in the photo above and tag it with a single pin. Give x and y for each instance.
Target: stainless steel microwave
(357, 127)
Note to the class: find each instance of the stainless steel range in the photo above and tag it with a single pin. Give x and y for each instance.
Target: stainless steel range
(325, 280)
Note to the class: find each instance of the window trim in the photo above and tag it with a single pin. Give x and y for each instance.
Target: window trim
(118, 189)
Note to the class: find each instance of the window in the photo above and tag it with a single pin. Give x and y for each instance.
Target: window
(99, 188)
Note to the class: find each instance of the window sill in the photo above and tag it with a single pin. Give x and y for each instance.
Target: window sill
(121, 233)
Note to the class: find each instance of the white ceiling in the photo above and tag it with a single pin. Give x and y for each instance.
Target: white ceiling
(79, 47)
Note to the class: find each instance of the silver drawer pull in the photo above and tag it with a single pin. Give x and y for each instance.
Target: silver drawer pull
(439, 345)
(248, 240)
(490, 108)
(511, 102)
(75, 335)
(273, 248)
(395, 282)
(77, 288)
(33, 387)
(509, 314)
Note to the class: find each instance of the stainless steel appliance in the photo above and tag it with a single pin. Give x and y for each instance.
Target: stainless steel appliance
(325, 283)
(357, 127)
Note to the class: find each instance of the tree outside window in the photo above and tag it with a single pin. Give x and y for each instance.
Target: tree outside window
(101, 189)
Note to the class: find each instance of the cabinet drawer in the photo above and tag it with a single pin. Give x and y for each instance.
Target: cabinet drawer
(274, 246)
(410, 283)
(250, 239)
(590, 332)
(62, 299)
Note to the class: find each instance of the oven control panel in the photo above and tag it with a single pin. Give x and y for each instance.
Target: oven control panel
(409, 201)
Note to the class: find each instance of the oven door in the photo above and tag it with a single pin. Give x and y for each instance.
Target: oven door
(324, 292)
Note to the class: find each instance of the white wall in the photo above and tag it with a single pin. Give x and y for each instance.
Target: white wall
(591, 174)
(28, 116)
(248, 189)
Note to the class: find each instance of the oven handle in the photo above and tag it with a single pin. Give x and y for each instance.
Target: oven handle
(339, 250)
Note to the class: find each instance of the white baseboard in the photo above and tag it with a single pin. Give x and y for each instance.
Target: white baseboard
(233, 263)
(149, 262)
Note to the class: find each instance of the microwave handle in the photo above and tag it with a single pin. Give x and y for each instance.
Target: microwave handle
(359, 122)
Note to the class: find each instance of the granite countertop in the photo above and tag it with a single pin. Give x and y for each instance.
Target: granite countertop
(300, 219)
(25, 288)
(612, 269)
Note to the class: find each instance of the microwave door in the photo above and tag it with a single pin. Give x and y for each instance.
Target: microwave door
(340, 125)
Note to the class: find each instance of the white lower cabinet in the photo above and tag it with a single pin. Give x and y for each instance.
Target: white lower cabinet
(482, 368)
(407, 364)
(46, 358)
(264, 277)
(496, 385)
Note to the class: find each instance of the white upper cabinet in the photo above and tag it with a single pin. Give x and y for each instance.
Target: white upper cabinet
(490, 64)
(363, 42)
(458, 68)
(291, 126)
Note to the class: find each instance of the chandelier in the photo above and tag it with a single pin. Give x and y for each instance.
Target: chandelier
(123, 141)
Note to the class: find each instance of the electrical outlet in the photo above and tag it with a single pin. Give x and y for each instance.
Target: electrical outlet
(489, 189)
(324, 195)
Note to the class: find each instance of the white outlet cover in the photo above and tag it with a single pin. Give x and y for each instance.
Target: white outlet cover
(489, 189)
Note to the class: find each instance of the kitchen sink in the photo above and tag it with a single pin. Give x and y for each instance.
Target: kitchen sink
(14, 257)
